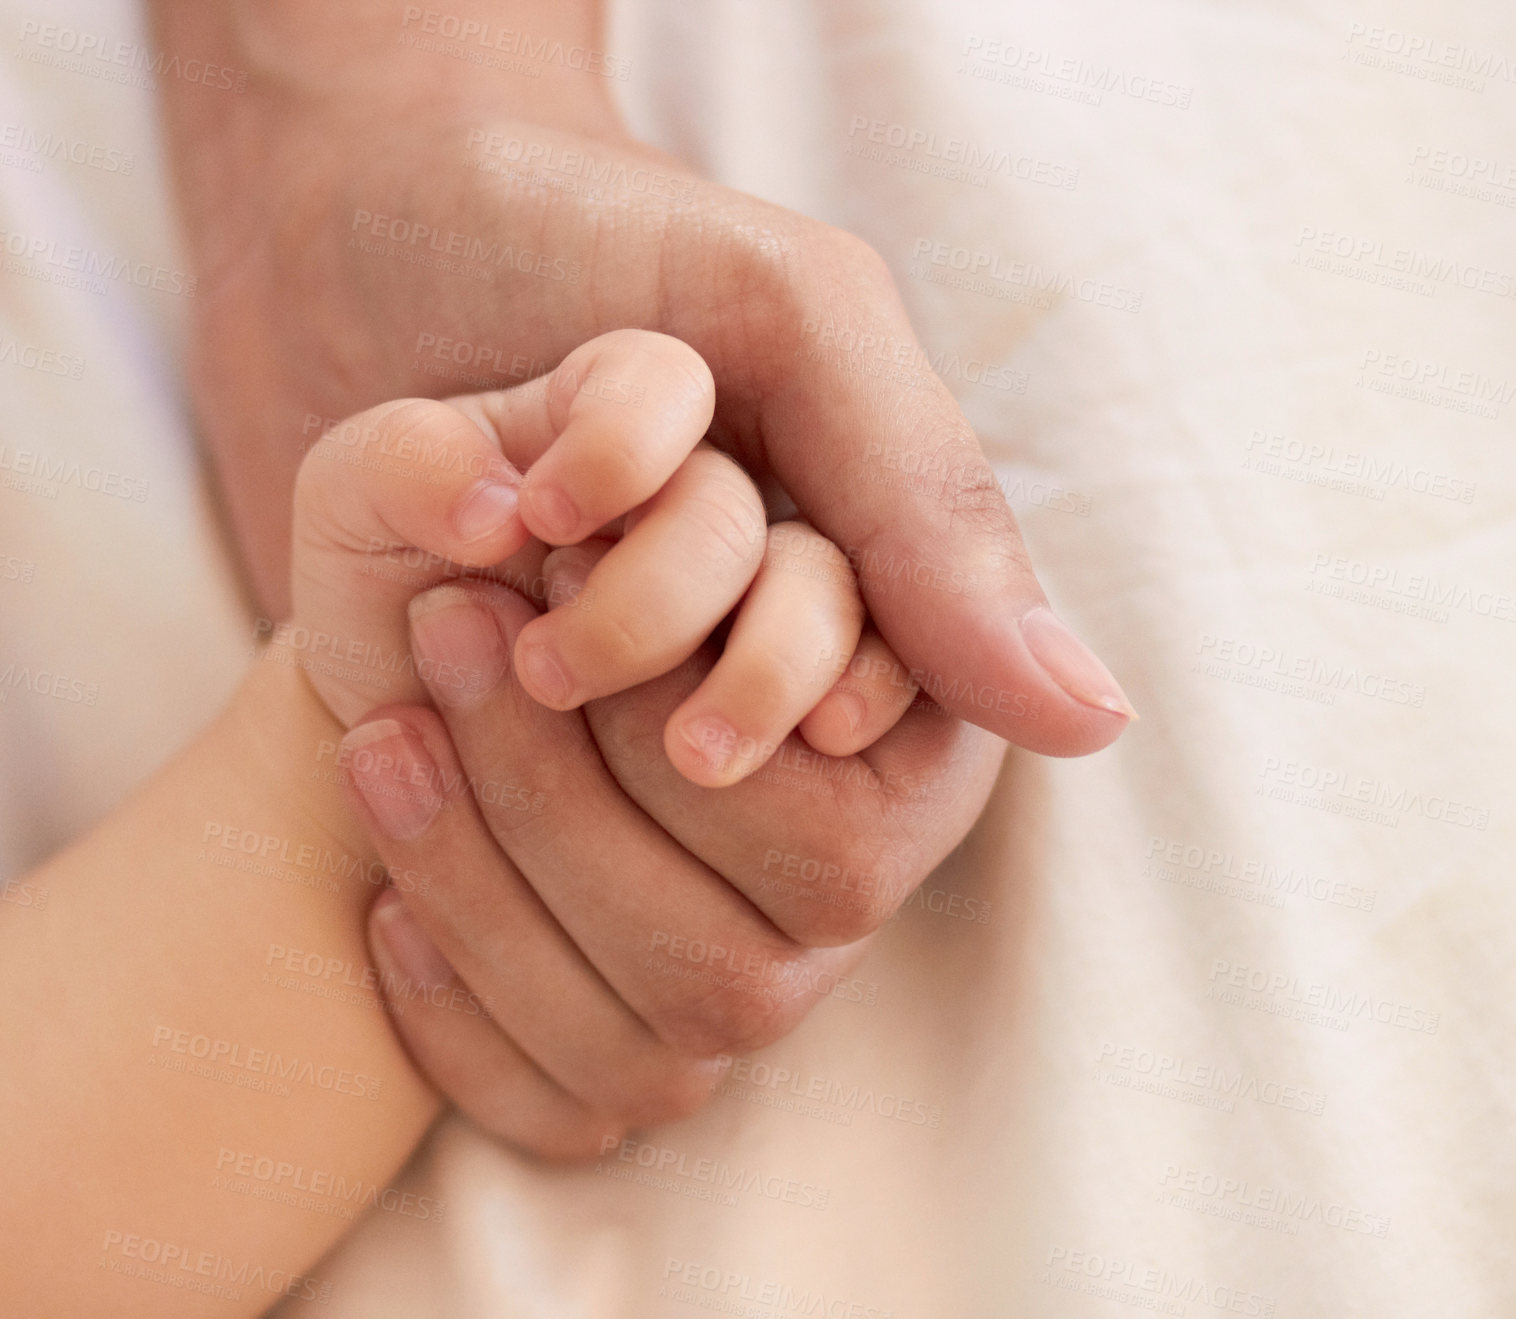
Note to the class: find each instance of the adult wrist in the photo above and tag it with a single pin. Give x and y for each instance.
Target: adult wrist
(543, 59)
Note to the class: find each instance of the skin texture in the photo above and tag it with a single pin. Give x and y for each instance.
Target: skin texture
(520, 878)
(316, 303)
(157, 1029)
(173, 1042)
(549, 925)
(319, 205)
(150, 942)
(437, 486)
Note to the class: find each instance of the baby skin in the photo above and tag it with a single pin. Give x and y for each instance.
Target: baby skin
(640, 538)
(146, 1047)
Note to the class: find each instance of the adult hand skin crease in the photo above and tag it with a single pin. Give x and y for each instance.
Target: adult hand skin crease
(341, 221)
(316, 200)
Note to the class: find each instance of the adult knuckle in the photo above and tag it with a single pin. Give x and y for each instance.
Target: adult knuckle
(522, 810)
(849, 882)
(975, 497)
(575, 1142)
(522, 817)
(764, 249)
(725, 1014)
(713, 1019)
(841, 247)
(851, 901)
(782, 255)
(971, 494)
(571, 1132)
(678, 1088)
(567, 1139)
(836, 920)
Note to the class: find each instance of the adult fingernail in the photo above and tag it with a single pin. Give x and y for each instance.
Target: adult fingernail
(395, 776)
(486, 509)
(566, 572)
(552, 513)
(415, 956)
(544, 675)
(1071, 664)
(462, 654)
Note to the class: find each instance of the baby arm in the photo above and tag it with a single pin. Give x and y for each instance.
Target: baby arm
(159, 1047)
(159, 1038)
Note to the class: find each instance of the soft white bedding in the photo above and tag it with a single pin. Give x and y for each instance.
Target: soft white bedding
(1217, 1022)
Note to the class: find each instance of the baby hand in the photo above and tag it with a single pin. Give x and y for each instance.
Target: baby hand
(661, 539)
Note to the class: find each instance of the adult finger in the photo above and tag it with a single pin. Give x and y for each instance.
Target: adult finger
(476, 909)
(938, 555)
(828, 848)
(448, 1032)
(682, 948)
(794, 318)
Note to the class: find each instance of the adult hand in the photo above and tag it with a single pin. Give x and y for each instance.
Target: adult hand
(614, 928)
(353, 250)
(596, 931)
(373, 212)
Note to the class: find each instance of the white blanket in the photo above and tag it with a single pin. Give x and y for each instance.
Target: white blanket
(1218, 1022)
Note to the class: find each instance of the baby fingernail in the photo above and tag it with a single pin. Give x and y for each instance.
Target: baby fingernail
(461, 652)
(485, 510)
(712, 739)
(543, 673)
(1071, 664)
(415, 956)
(394, 774)
(852, 707)
(552, 512)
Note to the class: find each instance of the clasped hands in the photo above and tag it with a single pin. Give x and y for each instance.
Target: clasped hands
(693, 673)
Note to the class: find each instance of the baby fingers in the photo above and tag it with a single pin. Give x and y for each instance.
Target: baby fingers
(649, 601)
